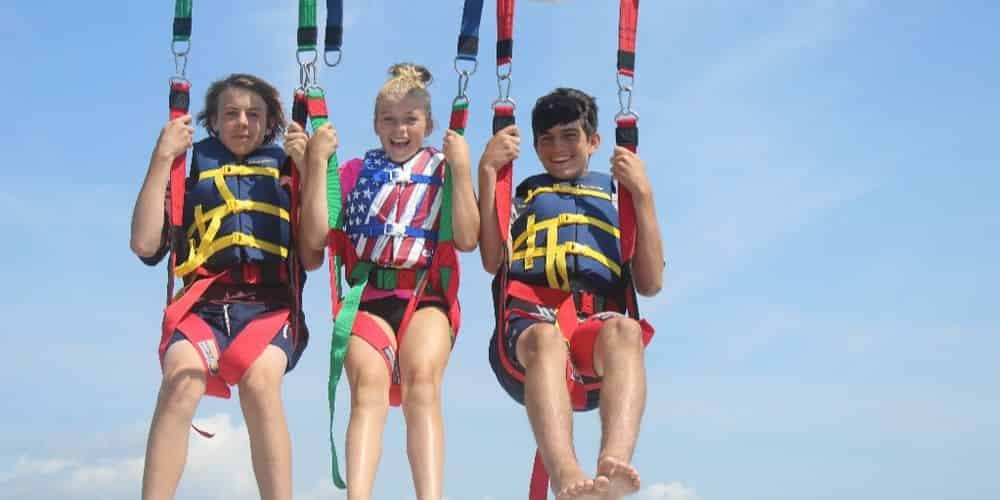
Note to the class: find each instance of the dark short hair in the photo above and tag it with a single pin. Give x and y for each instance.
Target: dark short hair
(257, 85)
(562, 106)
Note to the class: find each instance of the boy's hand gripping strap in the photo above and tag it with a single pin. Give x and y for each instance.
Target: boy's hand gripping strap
(180, 97)
(299, 116)
(627, 136)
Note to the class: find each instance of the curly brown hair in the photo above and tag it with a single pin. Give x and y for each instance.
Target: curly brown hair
(275, 115)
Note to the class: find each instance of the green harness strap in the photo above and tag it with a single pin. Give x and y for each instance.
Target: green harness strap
(345, 317)
(307, 25)
(182, 21)
(446, 232)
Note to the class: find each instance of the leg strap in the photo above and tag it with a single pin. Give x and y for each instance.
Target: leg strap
(369, 331)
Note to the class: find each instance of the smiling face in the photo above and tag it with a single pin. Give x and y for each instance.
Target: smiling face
(401, 125)
(565, 150)
(240, 120)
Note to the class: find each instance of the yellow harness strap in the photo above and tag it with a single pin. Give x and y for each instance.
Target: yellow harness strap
(564, 189)
(207, 224)
(556, 271)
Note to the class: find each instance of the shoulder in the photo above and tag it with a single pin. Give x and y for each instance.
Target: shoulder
(598, 181)
(533, 182)
(271, 151)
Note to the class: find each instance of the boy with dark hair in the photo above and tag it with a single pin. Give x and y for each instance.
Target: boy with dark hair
(561, 288)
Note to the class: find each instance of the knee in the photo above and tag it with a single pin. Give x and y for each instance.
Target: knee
(262, 381)
(182, 387)
(541, 341)
(369, 383)
(421, 387)
(620, 333)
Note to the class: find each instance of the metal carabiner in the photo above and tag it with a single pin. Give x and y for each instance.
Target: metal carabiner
(180, 65)
(459, 70)
(463, 82)
(187, 48)
(503, 91)
(299, 52)
(625, 100)
(326, 57)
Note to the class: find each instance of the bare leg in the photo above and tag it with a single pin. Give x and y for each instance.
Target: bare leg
(166, 451)
(542, 351)
(422, 360)
(618, 357)
(270, 444)
(369, 382)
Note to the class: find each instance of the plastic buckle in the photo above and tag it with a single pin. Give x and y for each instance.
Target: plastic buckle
(399, 176)
(394, 229)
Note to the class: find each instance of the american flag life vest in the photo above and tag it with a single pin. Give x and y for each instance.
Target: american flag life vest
(391, 214)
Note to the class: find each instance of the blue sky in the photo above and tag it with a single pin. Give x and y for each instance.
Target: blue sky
(825, 174)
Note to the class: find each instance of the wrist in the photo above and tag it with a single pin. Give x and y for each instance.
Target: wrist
(641, 197)
(485, 170)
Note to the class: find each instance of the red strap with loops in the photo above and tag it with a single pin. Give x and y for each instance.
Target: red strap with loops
(628, 18)
(504, 113)
(627, 136)
(505, 31)
(180, 97)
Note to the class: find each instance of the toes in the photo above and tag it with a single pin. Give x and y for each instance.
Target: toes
(602, 483)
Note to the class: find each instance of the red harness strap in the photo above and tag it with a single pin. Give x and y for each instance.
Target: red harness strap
(180, 97)
(505, 31)
(628, 17)
(231, 365)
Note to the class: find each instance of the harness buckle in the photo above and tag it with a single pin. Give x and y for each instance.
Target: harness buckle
(394, 229)
(399, 176)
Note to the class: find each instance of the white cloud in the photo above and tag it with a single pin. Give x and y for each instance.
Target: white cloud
(217, 468)
(669, 491)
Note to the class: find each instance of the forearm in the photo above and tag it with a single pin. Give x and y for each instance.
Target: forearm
(490, 249)
(148, 214)
(648, 262)
(313, 221)
(465, 212)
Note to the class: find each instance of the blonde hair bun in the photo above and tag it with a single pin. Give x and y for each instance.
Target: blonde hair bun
(414, 74)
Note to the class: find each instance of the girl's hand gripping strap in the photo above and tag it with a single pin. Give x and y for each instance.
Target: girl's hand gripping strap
(444, 270)
(316, 105)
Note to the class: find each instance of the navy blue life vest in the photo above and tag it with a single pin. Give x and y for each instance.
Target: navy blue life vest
(235, 212)
(566, 234)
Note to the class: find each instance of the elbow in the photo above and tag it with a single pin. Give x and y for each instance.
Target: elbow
(311, 261)
(648, 288)
(466, 244)
(142, 249)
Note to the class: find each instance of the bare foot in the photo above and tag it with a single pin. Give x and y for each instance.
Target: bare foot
(579, 487)
(622, 478)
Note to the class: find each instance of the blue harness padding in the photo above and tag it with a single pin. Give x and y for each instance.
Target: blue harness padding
(546, 198)
(210, 155)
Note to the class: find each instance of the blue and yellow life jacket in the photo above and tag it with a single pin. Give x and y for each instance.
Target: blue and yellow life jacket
(566, 235)
(235, 212)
